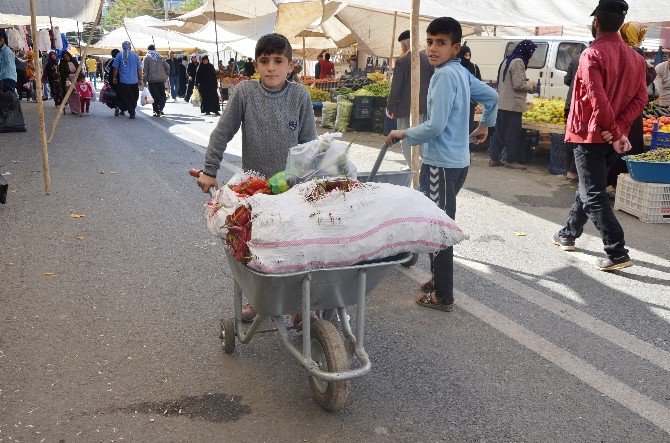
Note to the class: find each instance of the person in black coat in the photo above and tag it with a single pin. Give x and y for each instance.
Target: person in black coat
(465, 55)
(183, 78)
(206, 82)
(191, 70)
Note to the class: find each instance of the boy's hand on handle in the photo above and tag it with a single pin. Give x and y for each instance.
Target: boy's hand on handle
(204, 181)
(479, 135)
(395, 136)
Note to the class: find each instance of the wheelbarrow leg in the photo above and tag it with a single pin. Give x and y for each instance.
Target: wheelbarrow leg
(237, 299)
(360, 308)
(306, 319)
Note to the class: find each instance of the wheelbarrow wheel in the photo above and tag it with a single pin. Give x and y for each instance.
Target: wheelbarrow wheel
(329, 353)
(412, 261)
(227, 335)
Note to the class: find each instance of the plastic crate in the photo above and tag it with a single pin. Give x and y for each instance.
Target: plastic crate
(650, 202)
(380, 102)
(362, 113)
(558, 155)
(529, 141)
(659, 139)
(648, 172)
(364, 102)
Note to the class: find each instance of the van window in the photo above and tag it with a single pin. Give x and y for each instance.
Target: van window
(539, 58)
(567, 52)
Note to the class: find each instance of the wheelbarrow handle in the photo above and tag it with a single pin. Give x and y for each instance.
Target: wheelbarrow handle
(197, 173)
(378, 162)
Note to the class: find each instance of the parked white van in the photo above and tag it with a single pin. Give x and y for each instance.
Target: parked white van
(549, 63)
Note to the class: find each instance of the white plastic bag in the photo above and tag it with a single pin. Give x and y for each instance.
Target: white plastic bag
(195, 98)
(323, 157)
(145, 97)
(291, 233)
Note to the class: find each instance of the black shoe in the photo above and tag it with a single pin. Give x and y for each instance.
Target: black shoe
(494, 163)
(566, 243)
(613, 264)
(208, 113)
(217, 114)
(131, 117)
(122, 112)
(116, 112)
(156, 114)
(162, 113)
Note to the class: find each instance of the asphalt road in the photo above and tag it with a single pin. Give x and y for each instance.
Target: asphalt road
(110, 321)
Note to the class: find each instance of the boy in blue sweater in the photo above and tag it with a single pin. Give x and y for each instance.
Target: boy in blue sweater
(446, 155)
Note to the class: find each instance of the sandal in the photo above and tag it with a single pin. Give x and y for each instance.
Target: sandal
(429, 286)
(429, 300)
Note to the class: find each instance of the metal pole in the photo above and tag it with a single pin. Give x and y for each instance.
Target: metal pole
(79, 38)
(216, 33)
(40, 102)
(165, 4)
(416, 87)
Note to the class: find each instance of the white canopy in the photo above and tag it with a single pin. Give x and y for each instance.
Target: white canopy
(80, 10)
(169, 40)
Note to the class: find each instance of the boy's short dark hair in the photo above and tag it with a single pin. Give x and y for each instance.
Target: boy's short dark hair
(327, 56)
(274, 44)
(152, 47)
(446, 25)
(81, 77)
(610, 21)
(404, 35)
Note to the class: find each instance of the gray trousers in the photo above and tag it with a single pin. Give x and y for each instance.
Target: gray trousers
(402, 124)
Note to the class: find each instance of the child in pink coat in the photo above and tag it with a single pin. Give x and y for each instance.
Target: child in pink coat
(85, 92)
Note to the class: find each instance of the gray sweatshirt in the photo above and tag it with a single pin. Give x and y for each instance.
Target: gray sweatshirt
(272, 123)
(155, 69)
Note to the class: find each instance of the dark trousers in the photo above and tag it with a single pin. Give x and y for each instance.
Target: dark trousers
(189, 90)
(592, 202)
(157, 91)
(127, 95)
(441, 185)
(570, 147)
(507, 138)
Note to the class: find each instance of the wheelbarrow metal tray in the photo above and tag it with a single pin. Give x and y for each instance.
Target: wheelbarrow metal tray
(400, 178)
(330, 288)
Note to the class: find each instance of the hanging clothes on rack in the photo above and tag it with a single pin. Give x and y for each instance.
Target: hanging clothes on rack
(15, 40)
(43, 40)
(58, 41)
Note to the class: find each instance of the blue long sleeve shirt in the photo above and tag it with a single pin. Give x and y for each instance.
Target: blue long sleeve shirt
(446, 132)
(7, 63)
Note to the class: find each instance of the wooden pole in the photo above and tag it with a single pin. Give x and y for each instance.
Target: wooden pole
(216, 33)
(393, 39)
(40, 103)
(304, 59)
(416, 87)
(76, 73)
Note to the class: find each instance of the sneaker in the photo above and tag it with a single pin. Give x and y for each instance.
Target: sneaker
(217, 114)
(156, 114)
(494, 163)
(248, 312)
(614, 264)
(116, 112)
(566, 243)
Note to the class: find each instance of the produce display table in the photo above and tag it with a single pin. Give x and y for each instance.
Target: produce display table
(544, 128)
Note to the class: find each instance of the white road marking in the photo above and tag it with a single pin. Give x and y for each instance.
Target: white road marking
(623, 394)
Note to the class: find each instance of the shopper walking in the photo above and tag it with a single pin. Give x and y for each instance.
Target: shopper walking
(249, 68)
(52, 76)
(512, 88)
(67, 67)
(662, 83)
(191, 70)
(206, 82)
(174, 75)
(127, 75)
(107, 78)
(7, 67)
(466, 61)
(317, 67)
(397, 105)
(92, 68)
(183, 78)
(155, 72)
(610, 92)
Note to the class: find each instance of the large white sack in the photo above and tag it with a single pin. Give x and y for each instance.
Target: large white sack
(376, 220)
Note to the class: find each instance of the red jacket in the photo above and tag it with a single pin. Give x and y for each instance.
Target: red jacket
(327, 68)
(610, 91)
(84, 89)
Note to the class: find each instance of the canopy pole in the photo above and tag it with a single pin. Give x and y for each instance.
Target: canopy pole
(415, 87)
(304, 58)
(216, 33)
(40, 103)
(393, 39)
(76, 74)
(79, 37)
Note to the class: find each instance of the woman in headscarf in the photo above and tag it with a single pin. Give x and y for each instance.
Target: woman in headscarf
(465, 56)
(107, 78)
(191, 70)
(181, 92)
(52, 76)
(512, 89)
(633, 34)
(205, 81)
(127, 74)
(68, 66)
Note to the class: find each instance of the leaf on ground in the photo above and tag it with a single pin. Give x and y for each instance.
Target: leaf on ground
(81, 237)
(12, 190)
(520, 234)
(102, 172)
(48, 274)
(77, 216)
(112, 172)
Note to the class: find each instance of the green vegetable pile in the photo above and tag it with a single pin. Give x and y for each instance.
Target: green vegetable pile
(341, 91)
(318, 95)
(382, 89)
(343, 116)
(656, 156)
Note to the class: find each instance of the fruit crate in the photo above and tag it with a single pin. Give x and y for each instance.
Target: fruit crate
(558, 155)
(650, 202)
(648, 172)
(659, 139)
